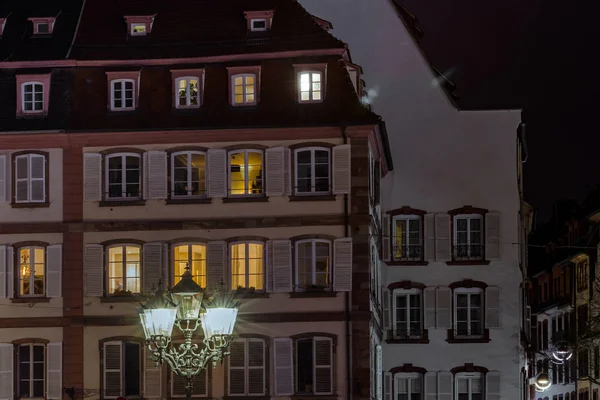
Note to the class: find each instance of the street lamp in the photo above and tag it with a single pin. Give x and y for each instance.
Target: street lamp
(560, 353)
(182, 307)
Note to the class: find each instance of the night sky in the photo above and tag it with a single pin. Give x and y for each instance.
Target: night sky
(531, 54)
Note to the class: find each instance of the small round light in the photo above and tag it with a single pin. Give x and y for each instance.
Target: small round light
(542, 382)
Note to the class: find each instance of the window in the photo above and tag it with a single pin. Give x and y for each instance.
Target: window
(312, 171)
(247, 265)
(247, 367)
(122, 94)
(188, 174)
(42, 26)
(468, 237)
(123, 178)
(468, 313)
(121, 369)
(124, 271)
(407, 238)
(138, 29)
(310, 88)
(469, 386)
(187, 95)
(31, 370)
(30, 178)
(194, 256)
(32, 271)
(244, 89)
(408, 387)
(314, 366)
(313, 264)
(582, 275)
(246, 172)
(32, 98)
(408, 322)
(258, 25)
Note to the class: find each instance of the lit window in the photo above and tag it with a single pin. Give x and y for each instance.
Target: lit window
(194, 256)
(30, 178)
(31, 370)
(123, 176)
(122, 94)
(468, 312)
(312, 171)
(313, 264)
(468, 237)
(258, 25)
(32, 97)
(407, 316)
(408, 387)
(247, 265)
(246, 172)
(138, 29)
(244, 89)
(188, 175)
(32, 266)
(407, 238)
(310, 86)
(187, 92)
(469, 386)
(124, 273)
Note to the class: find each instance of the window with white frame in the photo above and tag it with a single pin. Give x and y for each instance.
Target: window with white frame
(468, 312)
(30, 178)
(312, 170)
(469, 386)
(32, 97)
(258, 25)
(246, 172)
(408, 238)
(121, 369)
(124, 269)
(408, 386)
(247, 372)
(310, 86)
(313, 264)
(123, 176)
(247, 266)
(188, 174)
(31, 371)
(194, 256)
(243, 89)
(122, 94)
(188, 92)
(32, 271)
(138, 29)
(468, 237)
(407, 317)
(314, 366)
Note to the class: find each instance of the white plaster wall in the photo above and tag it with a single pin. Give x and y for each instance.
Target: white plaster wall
(9, 335)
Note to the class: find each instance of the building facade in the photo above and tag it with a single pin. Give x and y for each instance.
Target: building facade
(138, 139)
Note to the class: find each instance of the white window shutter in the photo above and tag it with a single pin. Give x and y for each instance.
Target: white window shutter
(256, 367)
(287, 171)
(112, 354)
(22, 175)
(216, 263)
(430, 386)
(54, 388)
(323, 359)
(492, 236)
(275, 171)
(378, 372)
(444, 308)
(54, 270)
(92, 177)
(342, 265)
(6, 371)
(152, 377)
(387, 387)
(341, 169)
(429, 235)
(10, 283)
(217, 173)
(3, 179)
(237, 368)
(94, 270)
(386, 237)
(156, 172)
(38, 178)
(144, 172)
(429, 303)
(492, 385)
(152, 266)
(387, 312)
(282, 266)
(443, 252)
(445, 385)
(284, 371)
(492, 307)
(3, 271)
(269, 266)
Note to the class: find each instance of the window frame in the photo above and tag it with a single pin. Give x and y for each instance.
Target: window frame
(247, 368)
(245, 152)
(123, 107)
(188, 154)
(408, 376)
(254, 29)
(29, 179)
(406, 218)
(189, 246)
(313, 191)
(469, 291)
(188, 97)
(313, 241)
(123, 376)
(244, 75)
(311, 81)
(31, 249)
(470, 376)
(246, 260)
(133, 25)
(17, 371)
(332, 366)
(469, 257)
(407, 334)
(23, 101)
(124, 266)
(123, 156)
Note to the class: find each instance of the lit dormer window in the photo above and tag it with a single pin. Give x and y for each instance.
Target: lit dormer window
(42, 26)
(259, 21)
(2, 25)
(139, 25)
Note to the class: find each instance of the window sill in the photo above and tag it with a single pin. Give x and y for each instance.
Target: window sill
(469, 262)
(248, 199)
(30, 205)
(201, 200)
(313, 396)
(124, 111)
(259, 295)
(313, 197)
(484, 339)
(32, 115)
(422, 340)
(122, 299)
(30, 300)
(399, 263)
(246, 397)
(121, 203)
(301, 295)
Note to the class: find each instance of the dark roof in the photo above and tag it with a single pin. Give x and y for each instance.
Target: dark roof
(18, 43)
(195, 28)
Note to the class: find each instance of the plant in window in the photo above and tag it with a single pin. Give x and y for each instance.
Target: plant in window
(246, 172)
(32, 271)
(247, 265)
(187, 92)
(124, 272)
(313, 261)
(312, 171)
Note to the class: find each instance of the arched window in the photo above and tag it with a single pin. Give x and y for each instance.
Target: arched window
(188, 174)
(313, 264)
(192, 255)
(469, 386)
(123, 176)
(408, 386)
(188, 92)
(124, 269)
(247, 266)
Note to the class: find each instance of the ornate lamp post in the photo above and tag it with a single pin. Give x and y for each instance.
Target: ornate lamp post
(183, 306)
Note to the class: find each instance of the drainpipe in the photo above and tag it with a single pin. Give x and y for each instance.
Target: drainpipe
(347, 294)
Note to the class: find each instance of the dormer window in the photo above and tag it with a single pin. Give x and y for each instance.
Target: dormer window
(2, 25)
(138, 29)
(259, 21)
(42, 26)
(139, 25)
(258, 25)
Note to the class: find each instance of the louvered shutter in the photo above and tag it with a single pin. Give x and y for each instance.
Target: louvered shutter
(54, 360)
(3, 178)
(237, 367)
(22, 174)
(6, 371)
(430, 386)
(492, 236)
(492, 385)
(256, 367)
(152, 265)
(144, 176)
(216, 259)
(387, 312)
(287, 171)
(92, 177)
(94, 270)
(38, 178)
(275, 171)
(284, 371)
(217, 173)
(378, 371)
(54, 270)
(443, 308)
(10, 283)
(156, 173)
(112, 354)
(341, 169)
(152, 377)
(444, 386)
(429, 235)
(322, 354)
(443, 251)
(342, 265)
(269, 266)
(199, 387)
(387, 387)
(386, 238)
(282, 266)
(492, 307)
(3, 272)
(429, 303)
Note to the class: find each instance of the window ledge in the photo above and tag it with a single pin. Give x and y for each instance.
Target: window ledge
(422, 340)
(32, 115)
(196, 200)
(300, 295)
(30, 205)
(30, 300)
(259, 295)
(484, 339)
(121, 203)
(246, 397)
(313, 197)
(399, 263)
(313, 397)
(469, 262)
(122, 299)
(249, 199)
(116, 111)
